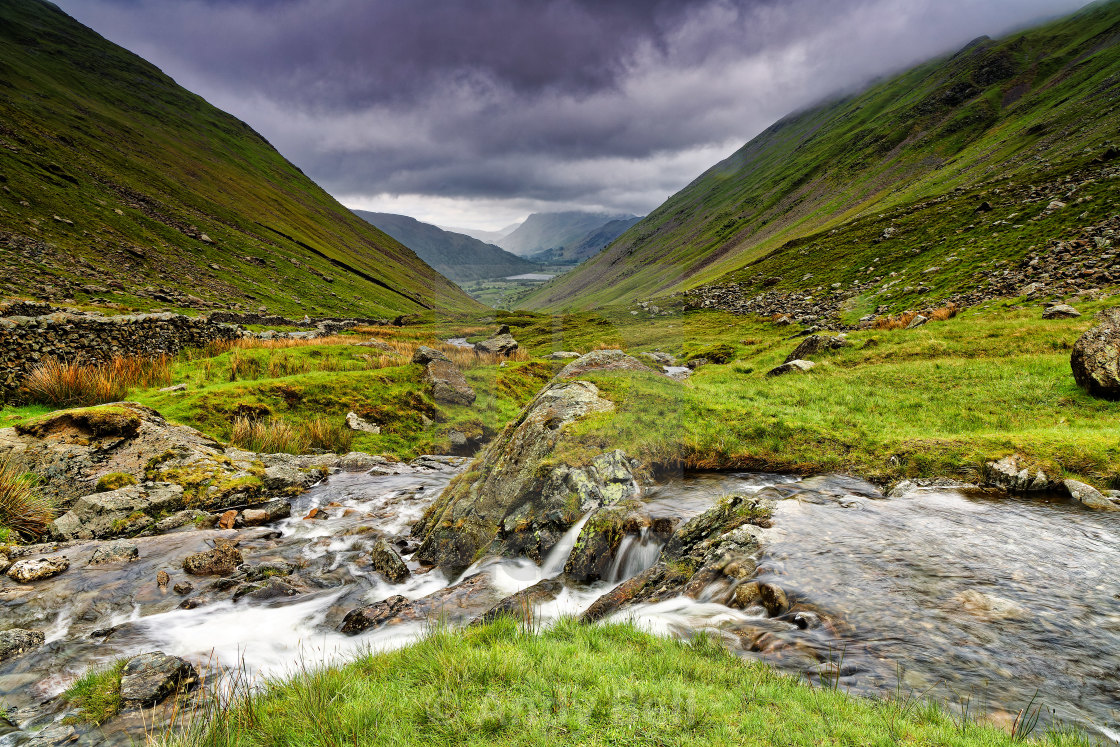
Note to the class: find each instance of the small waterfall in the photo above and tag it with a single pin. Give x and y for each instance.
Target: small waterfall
(636, 553)
(554, 564)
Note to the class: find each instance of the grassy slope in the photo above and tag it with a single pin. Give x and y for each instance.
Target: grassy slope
(1016, 108)
(573, 684)
(457, 256)
(88, 129)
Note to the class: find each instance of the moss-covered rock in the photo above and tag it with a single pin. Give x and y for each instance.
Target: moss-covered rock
(114, 481)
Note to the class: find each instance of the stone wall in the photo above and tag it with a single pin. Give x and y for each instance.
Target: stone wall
(91, 338)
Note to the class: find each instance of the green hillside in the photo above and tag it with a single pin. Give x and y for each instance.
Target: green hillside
(117, 186)
(997, 117)
(456, 256)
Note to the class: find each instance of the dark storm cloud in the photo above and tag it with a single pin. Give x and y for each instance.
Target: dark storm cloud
(534, 102)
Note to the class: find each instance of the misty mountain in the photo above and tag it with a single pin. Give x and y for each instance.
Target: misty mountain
(490, 237)
(588, 246)
(456, 256)
(543, 231)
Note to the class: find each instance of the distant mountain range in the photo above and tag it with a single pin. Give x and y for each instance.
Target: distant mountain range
(456, 256)
(120, 186)
(560, 233)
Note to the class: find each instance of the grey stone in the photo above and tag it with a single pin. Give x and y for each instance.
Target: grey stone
(425, 355)
(221, 561)
(814, 344)
(269, 512)
(115, 552)
(1089, 496)
(1096, 357)
(1060, 311)
(385, 560)
(560, 355)
(16, 641)
(917, 321)
(358, 461)
(791, 367)
(601, 360)
(500, 344)
(149, 678)
(357, 423)
(449, 385)
(37, 569)
(116, 512)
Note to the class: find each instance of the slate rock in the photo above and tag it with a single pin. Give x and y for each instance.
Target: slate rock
(16, 641)
(149, 678)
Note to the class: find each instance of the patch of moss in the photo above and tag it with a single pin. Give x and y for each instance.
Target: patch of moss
(114, 481)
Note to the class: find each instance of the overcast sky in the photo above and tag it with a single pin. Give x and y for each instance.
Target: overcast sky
(476, 112)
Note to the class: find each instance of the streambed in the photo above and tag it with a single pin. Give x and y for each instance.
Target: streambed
(940, 592)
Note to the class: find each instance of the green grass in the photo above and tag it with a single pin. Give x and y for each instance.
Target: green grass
(1038, 107)
(573, 684)
(97, 694)
(939, 400)
(138, 168)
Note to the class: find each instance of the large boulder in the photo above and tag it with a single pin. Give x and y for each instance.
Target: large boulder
(1096, 357)
(814, 344)
(514, 499)
(448, 384)
(500, 344)
(798, 366)
(149, 678)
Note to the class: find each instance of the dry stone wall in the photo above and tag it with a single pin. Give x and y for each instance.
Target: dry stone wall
(90, 338)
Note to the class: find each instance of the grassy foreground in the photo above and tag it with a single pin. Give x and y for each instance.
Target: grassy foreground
(572, 684)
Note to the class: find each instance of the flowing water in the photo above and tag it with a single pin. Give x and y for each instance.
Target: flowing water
(944, 593)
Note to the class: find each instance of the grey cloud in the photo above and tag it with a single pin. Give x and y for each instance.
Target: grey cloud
(606, 104)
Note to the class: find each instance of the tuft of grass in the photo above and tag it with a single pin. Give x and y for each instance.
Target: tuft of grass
(329, 435)
(504, 683)
(22, 509)
(60, 384)
(97, 693)
(272, 436)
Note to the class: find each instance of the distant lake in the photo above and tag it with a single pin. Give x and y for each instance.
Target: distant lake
(537, 276)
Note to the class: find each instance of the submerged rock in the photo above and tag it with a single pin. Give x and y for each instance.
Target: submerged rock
(115, 552)
(149, 678)
(1096, 357)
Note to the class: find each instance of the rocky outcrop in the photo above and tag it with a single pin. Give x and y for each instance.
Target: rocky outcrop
(1012, 475)
(1096, 357)
(149, 678)
(73, 450)
(814, 344)
(118, 512)
(597, 546)
(711, 553)
(514, 500)
(448, 384)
